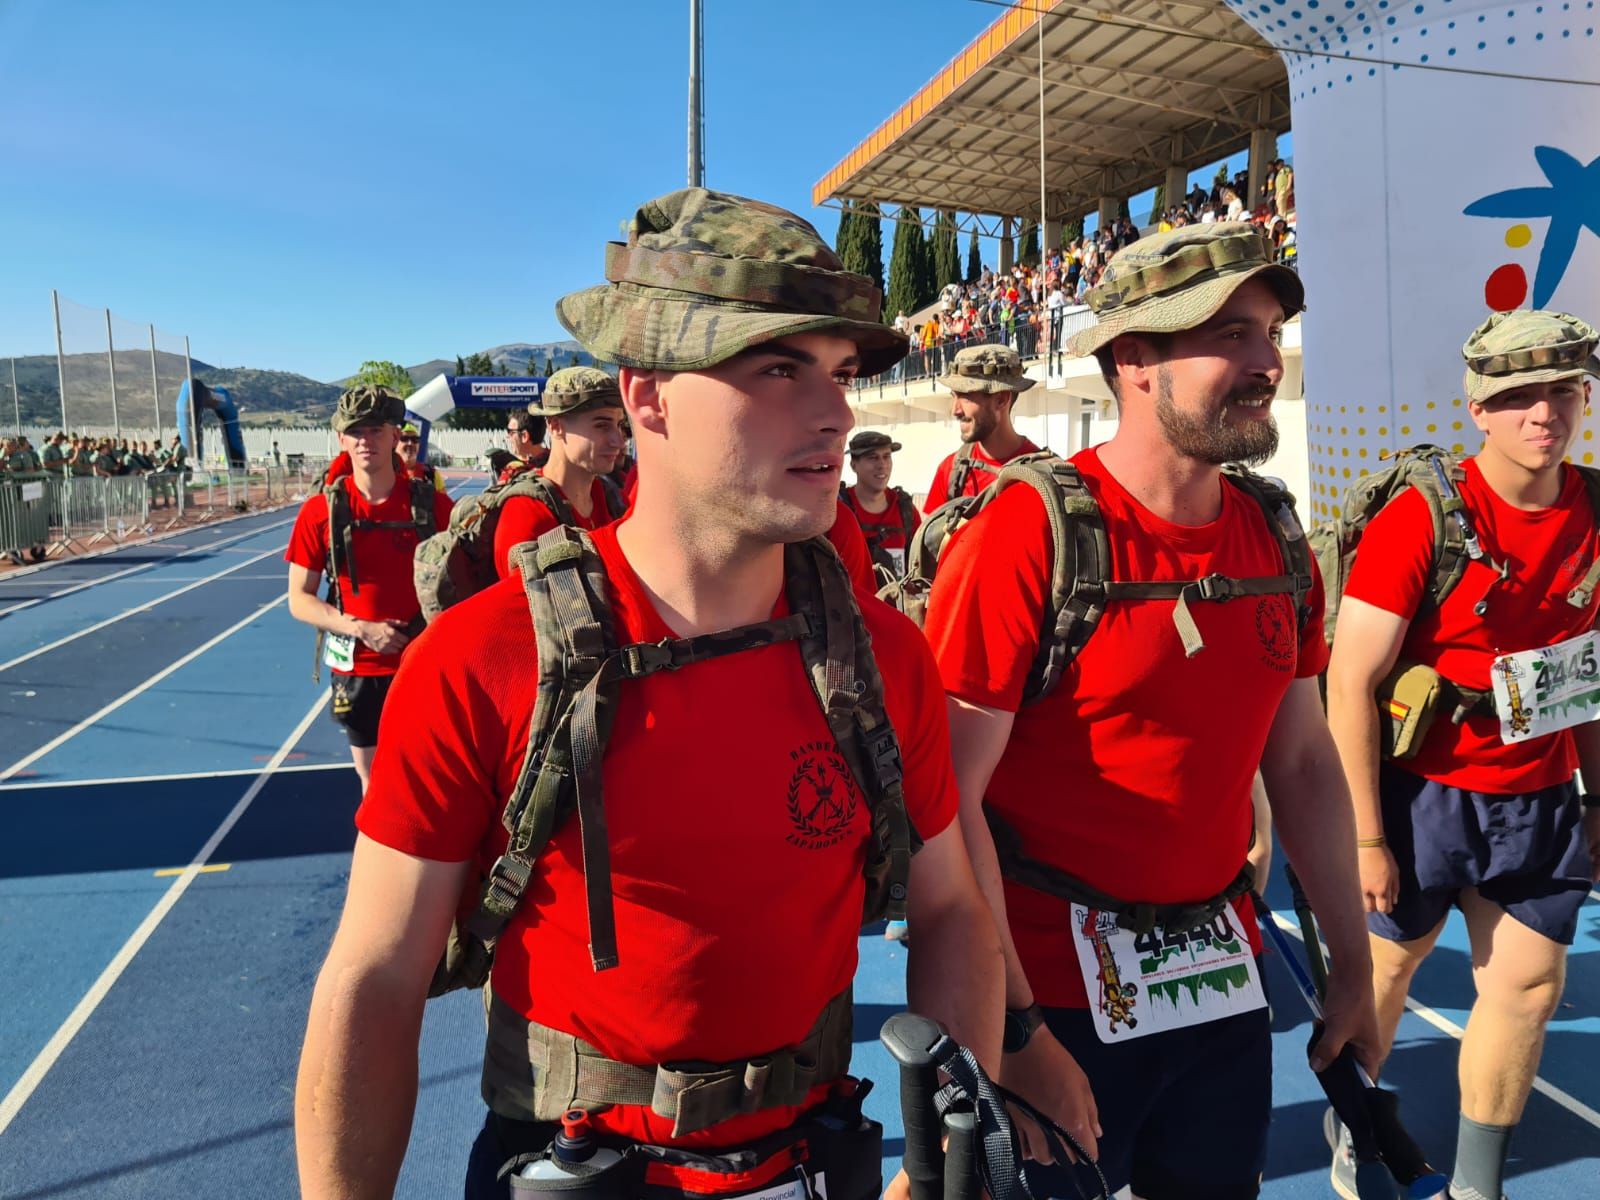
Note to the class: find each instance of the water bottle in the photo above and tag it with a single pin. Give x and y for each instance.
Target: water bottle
(573, 1152)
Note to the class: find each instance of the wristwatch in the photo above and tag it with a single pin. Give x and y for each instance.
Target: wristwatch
(1020, 1026)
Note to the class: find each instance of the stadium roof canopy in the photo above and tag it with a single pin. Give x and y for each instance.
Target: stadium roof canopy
(1131, 87)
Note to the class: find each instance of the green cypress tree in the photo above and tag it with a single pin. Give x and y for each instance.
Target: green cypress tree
(946, 258)
(1029, 253)
(844, 241)
(869, 233)
(974, 259)
(549, 367)
(906, 265)
(460, 367)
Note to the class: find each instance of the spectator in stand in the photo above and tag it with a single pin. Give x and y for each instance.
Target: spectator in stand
(932, 335)
(902, 324)
(1283, 189)
(1234, 205)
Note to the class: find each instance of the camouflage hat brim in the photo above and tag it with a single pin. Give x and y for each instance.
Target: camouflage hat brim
(1185, 308)
(681, 332)
(967, 384)
(1485, 387)
(609, 400)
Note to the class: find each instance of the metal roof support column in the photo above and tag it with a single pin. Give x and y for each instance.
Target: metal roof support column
(1006, 258)
(1263, 148)
(1174, 187)
(1052, 235)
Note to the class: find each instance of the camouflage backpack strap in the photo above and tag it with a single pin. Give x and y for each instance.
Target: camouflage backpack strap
(908, 512)
(422, 510)
(341, 539)
(1438, 475)
(1278, 506)
(837, 651)
(1583, 593)
(616, 501)
(956, 484)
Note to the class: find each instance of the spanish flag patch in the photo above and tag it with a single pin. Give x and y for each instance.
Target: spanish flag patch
(1397, 710)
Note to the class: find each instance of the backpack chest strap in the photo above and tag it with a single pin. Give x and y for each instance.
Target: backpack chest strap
(534, 1072)
(1216, 589)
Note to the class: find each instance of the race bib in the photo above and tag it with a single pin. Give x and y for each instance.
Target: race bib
(339, 652)
(898, 557)
(1542, 691)
(1148, 983)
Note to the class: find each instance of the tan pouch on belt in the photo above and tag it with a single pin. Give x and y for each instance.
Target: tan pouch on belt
(1407, 699)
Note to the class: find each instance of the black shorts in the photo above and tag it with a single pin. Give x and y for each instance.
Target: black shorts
(1184, 1112)
(357, 704)
(1524, 852)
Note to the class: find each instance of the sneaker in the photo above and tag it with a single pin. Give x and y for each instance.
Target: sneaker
(1342, 1175)
(897, 931)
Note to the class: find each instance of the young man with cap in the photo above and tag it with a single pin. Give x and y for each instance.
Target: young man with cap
(886, 514)
(361, 530)
(984, 383)
(1484, 816)
(409, 447)
(582, 407)
(1120, 801)
(730, 799)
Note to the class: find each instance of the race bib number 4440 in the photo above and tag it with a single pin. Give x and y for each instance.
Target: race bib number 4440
(1165, 979)
(1541, 691)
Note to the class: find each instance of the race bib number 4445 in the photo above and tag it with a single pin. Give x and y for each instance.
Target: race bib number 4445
(1165, 979)
(1541, 691)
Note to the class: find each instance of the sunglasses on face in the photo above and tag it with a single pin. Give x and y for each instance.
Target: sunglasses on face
(409, 441)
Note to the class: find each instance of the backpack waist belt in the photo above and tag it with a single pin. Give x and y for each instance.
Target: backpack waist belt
(1137, 917)
(533, 1072)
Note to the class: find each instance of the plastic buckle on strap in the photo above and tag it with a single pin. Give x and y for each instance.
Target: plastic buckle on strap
(884, 750)
(507, 878)
(1216, 587)
(646, 658)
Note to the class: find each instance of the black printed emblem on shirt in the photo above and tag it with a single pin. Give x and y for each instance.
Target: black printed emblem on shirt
(1275, 628)
(822, 796)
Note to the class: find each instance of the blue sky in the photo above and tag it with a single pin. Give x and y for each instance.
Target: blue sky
(303, 186)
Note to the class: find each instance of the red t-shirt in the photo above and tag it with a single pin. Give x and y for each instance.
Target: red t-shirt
(1548, 551)
(983, 472)
(1134, 774)
(712, 874)
(383, 560)
(522, 519)
(851, 544)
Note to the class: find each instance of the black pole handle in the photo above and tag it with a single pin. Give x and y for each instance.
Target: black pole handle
(960, 1169)
(910, 1039)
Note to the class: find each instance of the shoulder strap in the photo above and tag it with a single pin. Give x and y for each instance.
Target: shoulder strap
(959, 470)
(1583, 593)
(422, 495)
(908, 511)
(341, 540)
(1278, 506)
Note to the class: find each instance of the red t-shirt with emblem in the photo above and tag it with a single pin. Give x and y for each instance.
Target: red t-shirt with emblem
(731, 817)
(383, 560)
(1548, 551)
(983, 472)
(522, 519)
(1134, 774)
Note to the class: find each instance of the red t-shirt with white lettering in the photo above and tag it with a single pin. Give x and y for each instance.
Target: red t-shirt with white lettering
(983, 472)
(522, 519)
(737, 914)
(383, 560)
(1548, 551)
(1134, 774)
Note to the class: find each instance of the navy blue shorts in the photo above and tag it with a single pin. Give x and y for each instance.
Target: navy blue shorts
(1185, 1112)
(1525, 853)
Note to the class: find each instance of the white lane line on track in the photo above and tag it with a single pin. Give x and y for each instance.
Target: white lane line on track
(40, 1066)
(27, 761)
(1445, 1025)
(139, 608)
(89, 583)
(29, 785)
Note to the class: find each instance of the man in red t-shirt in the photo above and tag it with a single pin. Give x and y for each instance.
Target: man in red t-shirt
(984, 383)
(1121, 800)
(525, 440)
(1483, 817)
(372, 612)
(582, 407)
(728, 810)
(886, 514)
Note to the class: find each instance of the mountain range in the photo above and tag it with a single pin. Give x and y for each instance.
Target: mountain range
(263, 395)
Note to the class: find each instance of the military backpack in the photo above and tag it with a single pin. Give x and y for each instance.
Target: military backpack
(883, 563)
(459, 561)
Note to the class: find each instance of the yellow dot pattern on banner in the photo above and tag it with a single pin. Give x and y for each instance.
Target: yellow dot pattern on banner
(1518, 236)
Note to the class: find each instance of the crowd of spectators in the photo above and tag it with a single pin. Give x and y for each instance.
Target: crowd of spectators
(80, 455)
(1023, 307)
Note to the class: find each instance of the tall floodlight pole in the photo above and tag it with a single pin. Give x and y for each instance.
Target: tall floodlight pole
(16, 396)
(155, 384)
(61, 359)
(1042, 214)
(697, 165)
(111, 362)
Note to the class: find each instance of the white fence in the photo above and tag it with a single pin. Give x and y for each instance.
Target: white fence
(465, 446)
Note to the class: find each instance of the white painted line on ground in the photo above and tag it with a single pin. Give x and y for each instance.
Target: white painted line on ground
(139, 608)
(79, 1016)
(89, 583)
(28, 785)
(1445, 1025)
(60, 739)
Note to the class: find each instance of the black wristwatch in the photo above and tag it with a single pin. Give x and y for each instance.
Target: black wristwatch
(1020, 1026)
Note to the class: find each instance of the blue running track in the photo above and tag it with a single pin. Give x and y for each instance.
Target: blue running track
(176, 810)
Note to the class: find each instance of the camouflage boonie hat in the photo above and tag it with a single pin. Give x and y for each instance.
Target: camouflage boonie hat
(869, 440)
(1172, 281)
(368, 403)
(986, 368)
(1514, 349)
(575, 390)
(705, 275)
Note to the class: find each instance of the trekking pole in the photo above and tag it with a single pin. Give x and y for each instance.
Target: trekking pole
(1389, 1163)
(960, 1168)
(910, 1039)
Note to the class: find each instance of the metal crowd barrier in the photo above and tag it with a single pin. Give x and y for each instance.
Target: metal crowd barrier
(25, 518)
